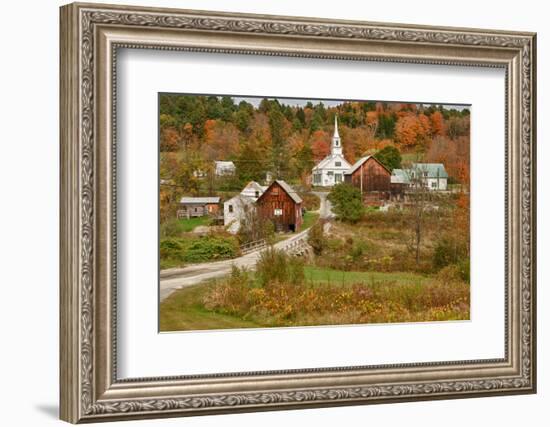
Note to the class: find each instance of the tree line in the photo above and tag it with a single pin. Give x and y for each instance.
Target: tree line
(288, 140)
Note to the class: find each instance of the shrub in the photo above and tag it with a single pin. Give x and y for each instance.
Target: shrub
(449, 250)
(212, 247)
(170, 228)
(171, 248)
(316, 238)
(276, 266)
(310, 201)
(347, 202)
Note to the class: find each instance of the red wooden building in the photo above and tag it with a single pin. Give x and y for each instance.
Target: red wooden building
(372, 178)
(281, 204)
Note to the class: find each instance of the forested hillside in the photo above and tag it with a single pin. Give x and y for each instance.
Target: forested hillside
(289, 140)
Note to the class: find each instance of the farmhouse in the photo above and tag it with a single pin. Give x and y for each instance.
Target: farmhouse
(222, 168)
(198, 206)
(432, 175)
(281, 204)
(331, 169)
(372, 178)
(253, 190)
(235, 209)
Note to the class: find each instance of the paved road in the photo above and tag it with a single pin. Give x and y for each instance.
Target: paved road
(325, 211)
(177, 278)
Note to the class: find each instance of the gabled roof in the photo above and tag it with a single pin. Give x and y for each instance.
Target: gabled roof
(288, 190)
(434, 170)
(200, 200)
(362, 160)
(327, 159)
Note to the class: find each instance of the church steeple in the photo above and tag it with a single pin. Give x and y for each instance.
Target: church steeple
(336, 147)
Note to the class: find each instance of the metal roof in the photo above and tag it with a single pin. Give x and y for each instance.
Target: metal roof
(289, 190)
(200, 200)
(434, 170)
(400, 176)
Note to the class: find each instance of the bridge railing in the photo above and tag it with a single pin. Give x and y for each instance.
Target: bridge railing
(246, 248)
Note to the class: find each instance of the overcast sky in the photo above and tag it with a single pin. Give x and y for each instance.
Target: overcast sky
(295, 102)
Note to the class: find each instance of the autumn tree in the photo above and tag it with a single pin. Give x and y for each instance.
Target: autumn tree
(437, 123)
(320, 144)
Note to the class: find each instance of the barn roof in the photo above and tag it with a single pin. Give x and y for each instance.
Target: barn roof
(434, 170)
(200, 200)
(288, 190)
(362, 160)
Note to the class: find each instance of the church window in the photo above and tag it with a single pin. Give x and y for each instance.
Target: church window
(338, 163)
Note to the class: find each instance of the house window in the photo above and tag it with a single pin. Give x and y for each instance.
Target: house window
(257, 193)
(338, 177)
(330, 173)
(317, 178)
(434, 184)
(426, 174)
(275, 191)
(230, 207)
(278, 212)
(338, 163)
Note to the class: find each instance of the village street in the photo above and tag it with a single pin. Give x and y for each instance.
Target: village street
(177, 278)
(325, 211)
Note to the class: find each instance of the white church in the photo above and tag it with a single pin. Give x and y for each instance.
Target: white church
(331, 169)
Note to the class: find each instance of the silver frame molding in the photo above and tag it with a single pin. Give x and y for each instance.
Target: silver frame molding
(90, 37)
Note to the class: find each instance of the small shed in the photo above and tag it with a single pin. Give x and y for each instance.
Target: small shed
(281, 204)
(198, 206)
(369, 175)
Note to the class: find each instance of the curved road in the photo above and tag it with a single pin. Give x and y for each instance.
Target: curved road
(177, 278)
(325, 211)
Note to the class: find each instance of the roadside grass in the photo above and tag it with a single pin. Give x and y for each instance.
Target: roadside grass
(338, 277)
(310, 218)
(188, 225)
(184, 311)
(325, 297)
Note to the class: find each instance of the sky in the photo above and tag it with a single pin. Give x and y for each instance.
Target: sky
(297, 102)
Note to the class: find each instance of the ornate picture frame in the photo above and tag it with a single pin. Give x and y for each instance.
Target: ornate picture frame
(90, 37)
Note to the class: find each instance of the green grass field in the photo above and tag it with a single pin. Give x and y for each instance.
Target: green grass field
(335, 277)
(184, 309)
(188, 225)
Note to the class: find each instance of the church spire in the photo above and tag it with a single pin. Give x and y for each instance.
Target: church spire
(336, 148)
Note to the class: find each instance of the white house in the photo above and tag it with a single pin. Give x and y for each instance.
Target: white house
(253, 190)
(432, 176)
(222, 168)
(234, 209)
(331, 169)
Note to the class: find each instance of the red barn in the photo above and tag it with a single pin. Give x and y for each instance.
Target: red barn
(281, 204)
(372, 178)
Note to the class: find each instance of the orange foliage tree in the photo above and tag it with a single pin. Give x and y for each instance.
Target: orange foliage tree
(320, 144)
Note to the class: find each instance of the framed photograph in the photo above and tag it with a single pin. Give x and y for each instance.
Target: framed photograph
(267, 212)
